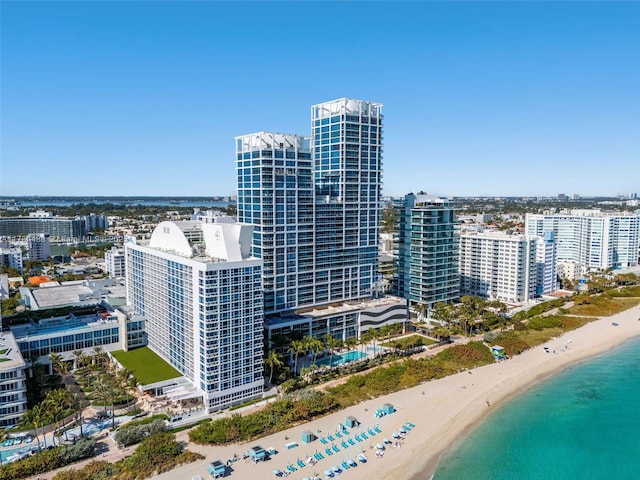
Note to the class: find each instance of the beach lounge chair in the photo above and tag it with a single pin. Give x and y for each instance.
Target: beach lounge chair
(300, 463)
(377, 429)
(362, 458)
(324, 441)
(352, 462)
(336, 469)
(336, 448)
(350, 440)
(387, 441)
(345, 465)
(328, 473)
(291, 468)
(344, 444)
(338, 434)
(371, 432)
(358, 438)
(328, 451)
(410, 425)
(330, 437)
(364, 435)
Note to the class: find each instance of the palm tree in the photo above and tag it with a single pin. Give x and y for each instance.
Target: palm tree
(375, 335)
(57, 402)
(59, 366)
(79, 358)
(421, 309)
(443, 313)
(365, 338)
(316, 346)
(351, 342)
(126, 382)
(37, 417)
(296, 348)
(103, 390)
(332, 344)
(273, 360)
(77, 405)
(99, 356)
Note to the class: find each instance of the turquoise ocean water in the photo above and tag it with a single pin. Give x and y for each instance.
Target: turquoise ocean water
(581, 424)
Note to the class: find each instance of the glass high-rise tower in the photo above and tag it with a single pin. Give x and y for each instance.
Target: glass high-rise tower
(346, 145)
(315, 207)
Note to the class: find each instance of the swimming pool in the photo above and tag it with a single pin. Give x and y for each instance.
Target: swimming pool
(4, 454)
(342, 358)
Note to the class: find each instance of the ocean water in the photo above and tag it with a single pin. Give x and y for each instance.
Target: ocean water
(581, 424)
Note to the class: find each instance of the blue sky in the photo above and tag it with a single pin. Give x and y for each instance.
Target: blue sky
(144, 98)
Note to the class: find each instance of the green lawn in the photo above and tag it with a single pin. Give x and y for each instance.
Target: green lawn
(146, 365)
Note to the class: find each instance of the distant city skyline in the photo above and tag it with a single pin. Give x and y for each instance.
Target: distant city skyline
(480, 99)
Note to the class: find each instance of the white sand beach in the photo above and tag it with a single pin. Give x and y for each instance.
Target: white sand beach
(443, 411)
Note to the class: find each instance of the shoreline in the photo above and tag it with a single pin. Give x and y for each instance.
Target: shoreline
(444, 412)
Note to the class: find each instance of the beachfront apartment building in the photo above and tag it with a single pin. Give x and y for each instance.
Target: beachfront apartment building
(276, 196)
(427, 251)
(592, 239)
(199, 291)
(547, 270)
(314, 203)
(498, 266)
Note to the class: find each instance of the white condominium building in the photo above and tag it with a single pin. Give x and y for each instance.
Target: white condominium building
(546, 253)
(10, 256)
(39, 246)
(200, 293)
(593, 239)
(498, 266)
(114, 259)
(13, 387)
